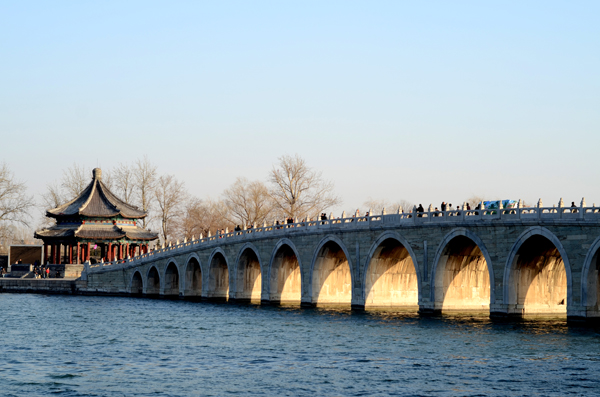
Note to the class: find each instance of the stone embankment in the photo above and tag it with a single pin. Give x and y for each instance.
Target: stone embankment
(70, 286)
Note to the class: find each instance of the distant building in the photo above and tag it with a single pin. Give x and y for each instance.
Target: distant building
(93, 226)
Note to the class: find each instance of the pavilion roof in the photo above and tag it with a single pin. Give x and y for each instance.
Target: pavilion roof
(96, 200)
(95, 232)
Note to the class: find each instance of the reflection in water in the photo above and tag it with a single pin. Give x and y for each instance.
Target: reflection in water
(124, 346)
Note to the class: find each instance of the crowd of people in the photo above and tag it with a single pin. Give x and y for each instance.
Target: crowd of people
(435, 212)
(444, 208)
(39, 271)
(43, 271)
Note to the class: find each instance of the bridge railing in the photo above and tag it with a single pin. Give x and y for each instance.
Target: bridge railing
(535, 214)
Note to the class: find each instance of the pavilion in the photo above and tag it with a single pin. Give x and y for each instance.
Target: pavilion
(94, 226)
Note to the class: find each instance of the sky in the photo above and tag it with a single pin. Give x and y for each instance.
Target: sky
(394, 100)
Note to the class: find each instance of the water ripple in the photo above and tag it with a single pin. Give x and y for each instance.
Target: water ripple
(102, 346)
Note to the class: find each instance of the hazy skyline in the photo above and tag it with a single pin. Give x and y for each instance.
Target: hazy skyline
(390, 100)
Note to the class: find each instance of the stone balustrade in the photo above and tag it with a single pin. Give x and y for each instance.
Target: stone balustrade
(536, 214)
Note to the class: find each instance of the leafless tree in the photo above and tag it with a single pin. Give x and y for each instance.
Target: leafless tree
(248, 202)
(145, 176)
(474, 200)
(202, 216)
(377, 206)
(170, 197)
(14, 201)
(298, 191)
(53, 197)
(124, 180)
(74, 180)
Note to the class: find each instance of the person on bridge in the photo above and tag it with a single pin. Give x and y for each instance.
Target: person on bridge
(443, 206)
(323, 217)
(420, 210)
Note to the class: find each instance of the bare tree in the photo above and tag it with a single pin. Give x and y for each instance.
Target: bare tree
(377, 206)
(124, 180)
(74, 180)
(202, 216)
(298, 191)
(248, 202)
(474, 200)
(14, 201)
(170, 197)
(53, 197)
(145, 180)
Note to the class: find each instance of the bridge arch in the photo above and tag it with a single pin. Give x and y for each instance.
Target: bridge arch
(153, 281)
(537, 275)
(218, 275)
(390, 274)
(248, 282)
(136, 283)
(284, 281)
(193, 281)
(331, 273)
(590, 280)
(171, 278)
(462, 276)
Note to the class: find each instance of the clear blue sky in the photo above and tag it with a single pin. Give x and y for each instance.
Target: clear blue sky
(423, 101)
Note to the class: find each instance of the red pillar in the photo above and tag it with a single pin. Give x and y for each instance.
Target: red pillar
(87, 252)
(70, 253)
(45, 257)
(127, 250)
(78, 253)
(53, 253)
(109, 254)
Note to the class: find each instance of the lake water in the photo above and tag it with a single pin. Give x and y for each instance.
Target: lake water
(105, 346)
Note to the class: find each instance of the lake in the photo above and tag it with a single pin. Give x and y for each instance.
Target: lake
(112, 346)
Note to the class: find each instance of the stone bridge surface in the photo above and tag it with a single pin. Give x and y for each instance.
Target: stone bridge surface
(523, 261)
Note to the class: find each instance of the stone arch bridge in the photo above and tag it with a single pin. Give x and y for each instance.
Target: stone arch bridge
(521, 261)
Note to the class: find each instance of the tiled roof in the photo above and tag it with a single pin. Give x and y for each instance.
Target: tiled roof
(97, 200)
(55, 232)
(96, 232)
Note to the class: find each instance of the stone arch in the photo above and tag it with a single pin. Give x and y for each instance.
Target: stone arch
(331, 273)
(153, 281)
(248, 283)
(462, 275)
(136, 284)
(590, 280)
(390, 275)
(537, 275)
(284, 283)
(218, 275)
(192, 280)
(171, 279)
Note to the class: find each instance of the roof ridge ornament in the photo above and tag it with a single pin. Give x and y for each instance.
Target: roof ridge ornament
(97, 174)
